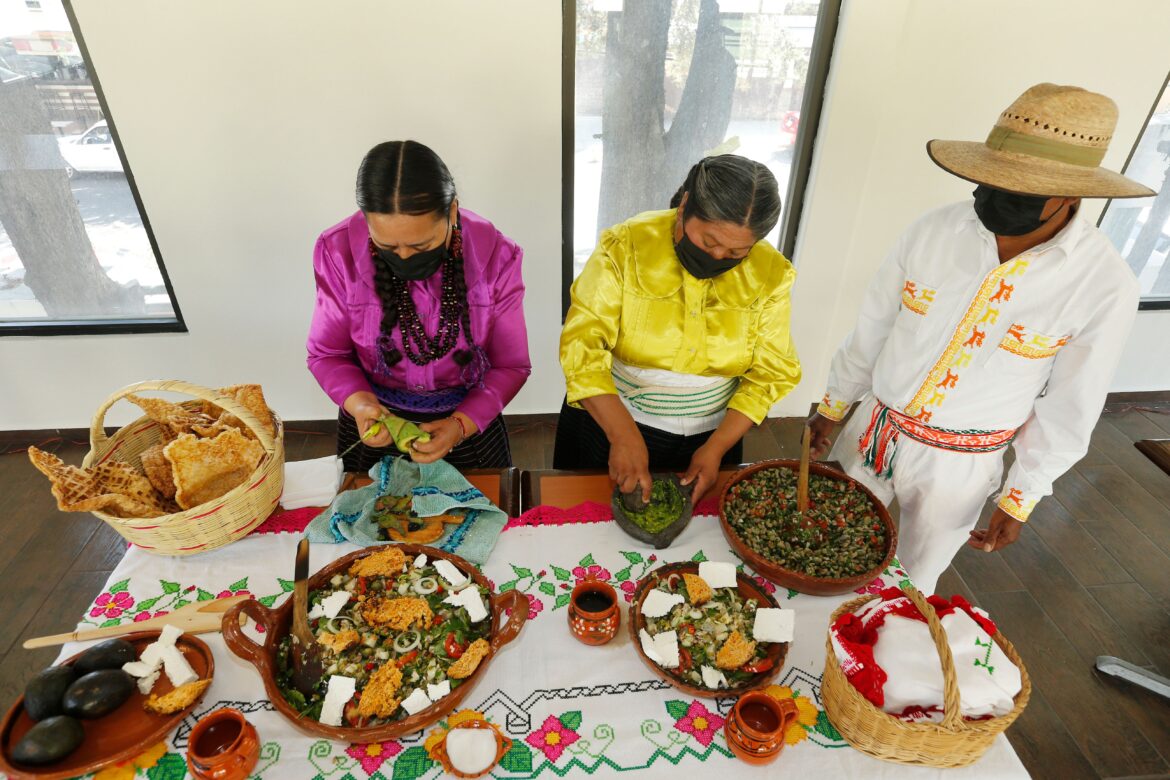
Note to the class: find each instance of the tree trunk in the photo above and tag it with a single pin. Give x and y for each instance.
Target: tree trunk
(38, 212)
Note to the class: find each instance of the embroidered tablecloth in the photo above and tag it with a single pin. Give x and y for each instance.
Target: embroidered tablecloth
(571, 710)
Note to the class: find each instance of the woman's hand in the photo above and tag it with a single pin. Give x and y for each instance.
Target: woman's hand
(365, 409)
(446, 434)
(629, 464)
(703, 471)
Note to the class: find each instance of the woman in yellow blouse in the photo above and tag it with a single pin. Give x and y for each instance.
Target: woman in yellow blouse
(677, 342)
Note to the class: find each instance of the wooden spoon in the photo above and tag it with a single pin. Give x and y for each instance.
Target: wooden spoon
(802, 479)
(304, 650)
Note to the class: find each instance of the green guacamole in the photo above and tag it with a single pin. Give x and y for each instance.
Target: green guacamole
(666, 503)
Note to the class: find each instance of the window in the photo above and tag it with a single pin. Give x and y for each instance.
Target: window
(1140, 227)
(76, 251)
(652, 87)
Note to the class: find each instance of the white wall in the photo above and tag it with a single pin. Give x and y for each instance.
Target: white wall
(906, 71)
(244, 124)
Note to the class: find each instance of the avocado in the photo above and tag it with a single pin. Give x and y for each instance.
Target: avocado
(49, 741)
(98, 693)
(110, 654)
(43, 694)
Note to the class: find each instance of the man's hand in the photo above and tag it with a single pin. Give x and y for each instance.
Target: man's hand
(1002, 530)
(822, 427)
(703, 471)
(629, 464)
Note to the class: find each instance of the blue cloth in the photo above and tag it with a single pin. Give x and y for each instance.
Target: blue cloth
(435, 489)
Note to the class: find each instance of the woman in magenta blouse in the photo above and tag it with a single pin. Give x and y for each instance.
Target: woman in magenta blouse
(419, 312)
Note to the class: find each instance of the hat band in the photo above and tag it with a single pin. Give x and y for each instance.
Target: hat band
(1004, 140)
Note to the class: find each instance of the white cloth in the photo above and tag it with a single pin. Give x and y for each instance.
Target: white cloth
(311, 482)
(950, 336)
(684, 426)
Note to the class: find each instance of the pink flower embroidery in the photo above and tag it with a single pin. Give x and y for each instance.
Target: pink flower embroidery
(874, 587)
(700, 722)
(223, 594)
(373, 755)
(143, 615)
(552, 738)
(111, 605)
(628, 587)
(763, 583)
(535, 606)
(594, 571)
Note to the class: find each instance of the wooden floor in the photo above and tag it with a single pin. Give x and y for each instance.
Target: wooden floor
(1090, 576)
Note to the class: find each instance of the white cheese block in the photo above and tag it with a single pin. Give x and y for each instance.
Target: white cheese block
(420, 561)
(774, 625)
(340, 691)
(648, 646)
(170, 633)
(469, 599)
(318, 611)
(146, 684)
(718, 574)
(448, 571)
(666, 644)
(152, 655)
(436, 692)
(333, 603)
(416, 702)
(178, 670)
(657, 603)
(713, 678)
(471, 751)
(141, 668)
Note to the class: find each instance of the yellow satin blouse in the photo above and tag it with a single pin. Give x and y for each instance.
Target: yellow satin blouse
(634, 300)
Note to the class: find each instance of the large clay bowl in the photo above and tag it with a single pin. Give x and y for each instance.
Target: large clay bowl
(814, 586)
(277, 622)
(748, 589)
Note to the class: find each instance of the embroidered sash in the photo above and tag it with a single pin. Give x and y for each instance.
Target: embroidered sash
(879, 443)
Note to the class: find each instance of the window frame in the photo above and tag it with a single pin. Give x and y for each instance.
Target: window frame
(66, 327)
(1144, 304)
(812, 102)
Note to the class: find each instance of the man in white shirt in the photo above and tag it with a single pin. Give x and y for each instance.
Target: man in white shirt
(993, 322)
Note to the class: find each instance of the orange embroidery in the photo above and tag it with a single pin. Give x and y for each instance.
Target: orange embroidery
(1030, 344)
(916, 299)
(949, 380)
(1015, 496)
(976, 339)
(1016, 331)
(909, 287)
(924, 416)
(1004, 293)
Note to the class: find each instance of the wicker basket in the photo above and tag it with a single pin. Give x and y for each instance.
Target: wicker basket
(954, 742)
(214, 524)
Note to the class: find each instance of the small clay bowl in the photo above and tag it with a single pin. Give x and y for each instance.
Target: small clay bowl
(755, 727)
(503, 746)
(594, 624)
(223, 746)
(661, 539)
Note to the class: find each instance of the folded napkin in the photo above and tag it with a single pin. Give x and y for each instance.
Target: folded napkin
(311, 482)
(435, 489)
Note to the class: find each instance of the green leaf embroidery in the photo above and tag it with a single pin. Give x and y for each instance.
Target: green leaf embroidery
(587, 560)
(171, 766)
(268, 601)
(412, 763)
(633, 557)
(239, 585)
(169, 587)
(507, 586)
(119, 587)
(285, 585)
(548, 589)
(562, 600)
(561, 574)
(521, 572)
(825, 728)
(179, 604)
(571, 720)
(110, 622)
(676, 709)
(699, 557)
(792, 593)
(145, 605)
(204, 595)
(622, 575)
(518, 760)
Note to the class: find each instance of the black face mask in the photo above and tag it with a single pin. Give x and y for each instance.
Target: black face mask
(698, 263)
(1008, 214)
(420, 265)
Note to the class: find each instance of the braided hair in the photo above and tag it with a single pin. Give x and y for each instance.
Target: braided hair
(406, 177)
(731, 188)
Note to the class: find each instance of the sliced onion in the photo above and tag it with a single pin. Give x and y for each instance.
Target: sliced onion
(426, 585)
(407, 641)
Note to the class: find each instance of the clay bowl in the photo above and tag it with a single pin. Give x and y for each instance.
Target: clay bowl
(748, 589)
(277, 623)
(662, 539)
(117, 737)
(813, 586)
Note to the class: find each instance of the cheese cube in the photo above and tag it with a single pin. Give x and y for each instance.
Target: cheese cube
(469, 599)
(472, 751)
(713, 678)
(718, 574)
(170, 633)
(774, 625)
(416, 702)
(318, 611)
(448, 571)
(340, 691)
(178, 670)
(152, 655)
(146, 684)
(648, 647)
(658, 603)
(666, 644)
(140, 668)
(436, 692)
(333, 603)
(420, 561)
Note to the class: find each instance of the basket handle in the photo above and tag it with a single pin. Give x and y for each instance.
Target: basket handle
(97, 431)
(952, 716)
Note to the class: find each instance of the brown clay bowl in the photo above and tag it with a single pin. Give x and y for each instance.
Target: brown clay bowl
(748, 589)
(277, 622)
(117, 737)
(803, 583)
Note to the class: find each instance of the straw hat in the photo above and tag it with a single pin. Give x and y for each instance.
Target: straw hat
(1050, 142)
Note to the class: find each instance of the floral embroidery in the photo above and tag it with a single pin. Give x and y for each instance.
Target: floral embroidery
(111, 605)
(127, 770)
(807, 713)
(1030, 344)
(552, 737)
(594, 572)
(373, 755)
(698, 721)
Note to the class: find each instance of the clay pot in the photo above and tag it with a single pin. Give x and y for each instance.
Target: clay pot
(756, 724)
(223, 746)
(593, 612)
